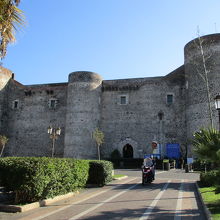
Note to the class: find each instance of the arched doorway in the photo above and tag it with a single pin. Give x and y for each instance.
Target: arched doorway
(128, 151)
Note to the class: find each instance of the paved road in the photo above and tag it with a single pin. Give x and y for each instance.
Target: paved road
(171, 196)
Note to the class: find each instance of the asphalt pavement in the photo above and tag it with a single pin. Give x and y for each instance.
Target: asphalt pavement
(172, 195)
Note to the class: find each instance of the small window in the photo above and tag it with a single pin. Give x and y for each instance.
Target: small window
(52, 103)
(123, 100)
(15, 104)
(169, 99)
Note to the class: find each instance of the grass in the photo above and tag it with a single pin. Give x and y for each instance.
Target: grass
(212, 201)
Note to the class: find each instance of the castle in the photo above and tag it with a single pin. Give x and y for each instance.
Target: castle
(130, 112)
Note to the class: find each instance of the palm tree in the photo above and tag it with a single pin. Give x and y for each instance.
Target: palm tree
(207, 144)
(98, 136)
(11, 18)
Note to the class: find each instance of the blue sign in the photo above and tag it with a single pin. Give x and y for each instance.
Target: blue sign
(173, 151)
(152, 156)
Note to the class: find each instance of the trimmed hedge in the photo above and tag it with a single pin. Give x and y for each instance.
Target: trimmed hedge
(34, 178)
(100, 172)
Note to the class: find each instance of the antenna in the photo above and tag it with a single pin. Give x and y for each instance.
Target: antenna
(198, 31)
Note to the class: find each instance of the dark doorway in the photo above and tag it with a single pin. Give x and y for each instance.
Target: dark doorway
(128, 151)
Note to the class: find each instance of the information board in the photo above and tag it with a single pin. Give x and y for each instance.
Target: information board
(173, 151)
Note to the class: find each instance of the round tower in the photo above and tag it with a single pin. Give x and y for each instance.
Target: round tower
(83, 114)
(5, 76)
(202, 69)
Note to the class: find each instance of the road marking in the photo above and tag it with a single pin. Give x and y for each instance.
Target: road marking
(68, 206)
(179, 202)
(101, 203)
(155, 201)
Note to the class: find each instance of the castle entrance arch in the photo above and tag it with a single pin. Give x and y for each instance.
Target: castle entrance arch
(128, 151)
(128, 148)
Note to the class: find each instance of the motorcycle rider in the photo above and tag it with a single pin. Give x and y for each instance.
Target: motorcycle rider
(149, 162)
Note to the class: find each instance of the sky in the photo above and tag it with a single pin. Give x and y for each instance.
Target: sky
(117, 39)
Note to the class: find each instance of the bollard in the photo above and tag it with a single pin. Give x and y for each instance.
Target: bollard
(187, 168)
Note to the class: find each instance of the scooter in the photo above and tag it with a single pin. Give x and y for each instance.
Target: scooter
(147, 174)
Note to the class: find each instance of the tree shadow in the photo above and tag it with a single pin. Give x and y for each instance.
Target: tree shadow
(157, 213)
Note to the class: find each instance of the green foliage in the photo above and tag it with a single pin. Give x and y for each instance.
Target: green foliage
(202, 165)
(209, 178)
(100, 172)
(33, 179)
(207, 144)
(98, 136)
(11, 19)
(3, 142)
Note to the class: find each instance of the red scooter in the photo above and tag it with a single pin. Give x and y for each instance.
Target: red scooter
(147, 174)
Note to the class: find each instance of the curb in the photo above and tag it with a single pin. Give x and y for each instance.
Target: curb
(206, 210)
(120, 178)
(41, 203)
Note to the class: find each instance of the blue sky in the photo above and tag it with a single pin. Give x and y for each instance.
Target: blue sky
(115, 38)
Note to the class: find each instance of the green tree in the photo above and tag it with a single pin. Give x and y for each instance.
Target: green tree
(207, 147)
(3, 142)
(98, 136)
(206, 144)
(11, 19)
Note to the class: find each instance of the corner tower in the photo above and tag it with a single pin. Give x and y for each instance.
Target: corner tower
(5, 76)
(200, 54)
(83, 114)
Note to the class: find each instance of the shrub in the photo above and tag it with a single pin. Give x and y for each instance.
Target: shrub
(209, 178)
(115, 154)
(100, 172)
(33, 179)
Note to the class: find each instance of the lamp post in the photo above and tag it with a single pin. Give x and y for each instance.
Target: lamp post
(54, 133)
(217, 106)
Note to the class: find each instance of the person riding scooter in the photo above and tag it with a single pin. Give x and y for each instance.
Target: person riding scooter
(147, 170)
(149, 162)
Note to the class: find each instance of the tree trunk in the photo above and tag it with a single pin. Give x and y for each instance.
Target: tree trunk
(3, 146)
(98, 152)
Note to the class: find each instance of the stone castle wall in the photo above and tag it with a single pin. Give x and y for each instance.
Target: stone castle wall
(197, 108)
(26, 126)
(83, 114)
(138, 121)
(128, 111)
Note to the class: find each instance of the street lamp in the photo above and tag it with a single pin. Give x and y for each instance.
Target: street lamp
(217, 106)
(54, 133)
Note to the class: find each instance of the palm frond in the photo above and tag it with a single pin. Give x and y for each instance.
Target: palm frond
(11, 20)
(206, 144)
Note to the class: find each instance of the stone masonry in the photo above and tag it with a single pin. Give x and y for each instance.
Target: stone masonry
(130, 112)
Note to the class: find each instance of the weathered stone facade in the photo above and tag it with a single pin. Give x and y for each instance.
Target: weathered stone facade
(130, 112)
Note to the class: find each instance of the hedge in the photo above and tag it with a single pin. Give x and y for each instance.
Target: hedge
(100, 172)
(34, 178)
(209, 178)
